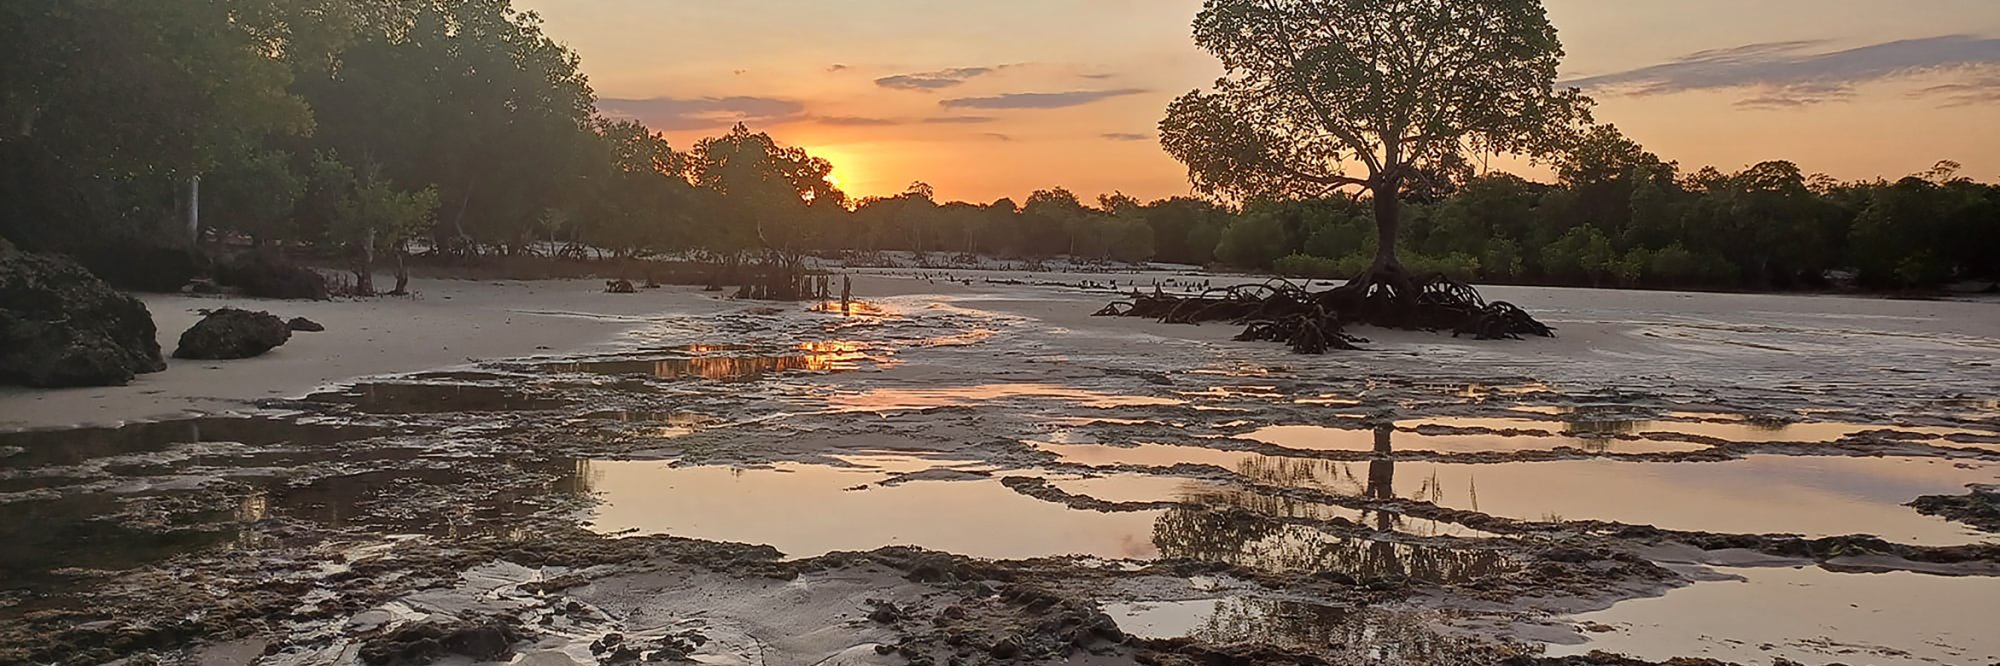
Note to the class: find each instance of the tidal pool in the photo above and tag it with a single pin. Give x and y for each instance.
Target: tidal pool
(1807, 615)
(808, 510)
(1807, 495)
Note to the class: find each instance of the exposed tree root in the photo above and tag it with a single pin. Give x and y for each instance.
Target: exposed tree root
(1279, 310)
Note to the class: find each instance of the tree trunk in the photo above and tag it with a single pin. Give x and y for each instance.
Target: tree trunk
(402, 273)
(364, 274)
(1387, 221)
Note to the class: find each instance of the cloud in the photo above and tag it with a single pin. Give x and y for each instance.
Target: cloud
(996, 136)
(837, 67)
(938, 80)
(1126, 136)
(1982, 90)
(1800, 73)
(1098, 76)
(855, 121)
(693, 113)
(1037, 100)
(957, 120)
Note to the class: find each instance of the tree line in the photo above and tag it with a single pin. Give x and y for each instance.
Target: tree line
(369, 129)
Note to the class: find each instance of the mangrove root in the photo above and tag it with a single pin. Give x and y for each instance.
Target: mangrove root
(1279, 310)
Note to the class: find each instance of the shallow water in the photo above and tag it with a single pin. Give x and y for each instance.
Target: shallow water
(1807, 615)
(808, 510)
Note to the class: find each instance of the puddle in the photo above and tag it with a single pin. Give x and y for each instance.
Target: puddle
(1807, 615)
(40, 448)
(1813, 496)
(806, 510)
(1230, 620)
(1323, 438)
(43, 544)
(1292, 548)
(407, 501)
(1354, 635)
(886, 399)
(732, 362)
(1718, 425)
(403, 398)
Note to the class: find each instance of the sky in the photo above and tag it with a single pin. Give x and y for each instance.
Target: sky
(988, 99)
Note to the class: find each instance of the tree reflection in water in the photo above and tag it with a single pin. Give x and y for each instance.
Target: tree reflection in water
(1237, 526)
(1349, 635)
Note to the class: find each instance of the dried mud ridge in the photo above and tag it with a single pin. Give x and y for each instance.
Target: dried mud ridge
(1979, 508)
(451, 493)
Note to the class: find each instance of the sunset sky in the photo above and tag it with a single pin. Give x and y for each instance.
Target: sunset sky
(991, 99)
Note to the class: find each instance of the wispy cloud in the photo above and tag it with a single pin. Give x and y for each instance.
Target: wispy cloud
(855, 121)
(1984, 89)
(996, 136)
(1037, 100)
(957, 120)
(938, 80)
(1802, 73)
(693, 113)
(838, 67)
(1126, 136)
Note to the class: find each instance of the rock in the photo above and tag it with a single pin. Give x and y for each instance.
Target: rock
(429, 642)
(619, 287)
(139, 266)
(1005, 648)
(266, 275)
(62, 326)
(230, 333)
(304, 325)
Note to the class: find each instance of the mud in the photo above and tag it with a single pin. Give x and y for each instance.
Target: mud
(1979, 508)
(982, 475)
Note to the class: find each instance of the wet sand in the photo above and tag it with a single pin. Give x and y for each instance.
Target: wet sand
(985, 472)
(448, 323)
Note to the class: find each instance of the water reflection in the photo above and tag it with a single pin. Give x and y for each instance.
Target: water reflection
(405, 398)
(1807, 615)
(1219, 532)
(40, 448)
(1812, 496)
(731, 363)
(1370, 635)
(921, 398)
(808, 510)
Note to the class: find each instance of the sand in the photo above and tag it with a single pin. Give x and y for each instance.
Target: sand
(448, 323)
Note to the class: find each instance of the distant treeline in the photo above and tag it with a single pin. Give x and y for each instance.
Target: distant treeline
(368, 128)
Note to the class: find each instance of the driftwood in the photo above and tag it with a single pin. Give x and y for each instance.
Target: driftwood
(1279, 310)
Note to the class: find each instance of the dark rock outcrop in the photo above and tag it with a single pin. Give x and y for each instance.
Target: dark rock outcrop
(141, 267)
(230, 333)
(305, 325)
(62, 326)
(266, 275)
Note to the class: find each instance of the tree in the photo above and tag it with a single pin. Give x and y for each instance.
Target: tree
(466, 95)
(1405, 88)
(107, 107)
(370, 216)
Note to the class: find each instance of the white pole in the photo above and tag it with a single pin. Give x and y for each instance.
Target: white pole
(194, 209)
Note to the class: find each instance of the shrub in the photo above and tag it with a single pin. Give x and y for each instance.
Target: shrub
(267, 275)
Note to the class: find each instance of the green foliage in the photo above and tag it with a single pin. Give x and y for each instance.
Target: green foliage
(361, 126)
(1308, 266)
(254, 193)
(108, 106)
(1252, 242)
(769, 196)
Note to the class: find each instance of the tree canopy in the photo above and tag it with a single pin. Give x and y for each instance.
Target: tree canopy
(460, 128)
(1404, 89)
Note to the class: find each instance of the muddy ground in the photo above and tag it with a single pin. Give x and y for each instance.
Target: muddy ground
(968, 470)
